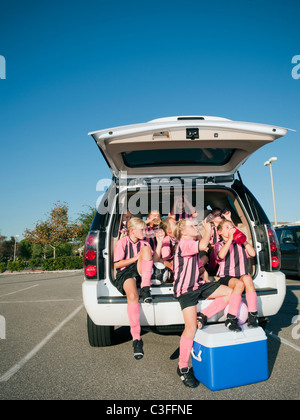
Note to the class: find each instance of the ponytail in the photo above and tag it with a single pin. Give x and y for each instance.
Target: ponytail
(180, 225)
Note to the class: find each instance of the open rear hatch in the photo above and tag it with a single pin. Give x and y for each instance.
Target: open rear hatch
(183, 145)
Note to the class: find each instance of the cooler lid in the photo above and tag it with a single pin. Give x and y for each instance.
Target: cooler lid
(218, 335)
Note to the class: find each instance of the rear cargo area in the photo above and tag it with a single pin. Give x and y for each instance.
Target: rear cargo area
(212, 197)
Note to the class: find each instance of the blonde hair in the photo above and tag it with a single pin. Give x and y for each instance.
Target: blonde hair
(136, 223)
(165, 224)
(179, 227)
(153, 211)
(221, 224)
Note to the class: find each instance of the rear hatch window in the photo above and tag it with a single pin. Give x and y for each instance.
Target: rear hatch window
(177, 157)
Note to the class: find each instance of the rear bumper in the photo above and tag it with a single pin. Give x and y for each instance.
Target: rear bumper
(165, 309)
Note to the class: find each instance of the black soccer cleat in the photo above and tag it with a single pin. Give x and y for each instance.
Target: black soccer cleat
(146, 294)
(253, 320)
(187, 377)
(201, 320)
(232, 323)
(138, 351)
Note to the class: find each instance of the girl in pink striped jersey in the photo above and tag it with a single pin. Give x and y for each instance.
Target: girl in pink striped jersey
(233, 269)
(182, 209)
(190, 284)
(133, 263)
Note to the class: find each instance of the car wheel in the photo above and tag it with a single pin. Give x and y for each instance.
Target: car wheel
(99, 335)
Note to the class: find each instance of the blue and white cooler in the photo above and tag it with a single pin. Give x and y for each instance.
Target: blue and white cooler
(224, 359)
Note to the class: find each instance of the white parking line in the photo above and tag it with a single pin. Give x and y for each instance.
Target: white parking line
(17, 291)
(13, 370)
(37, 301)
(283, 340)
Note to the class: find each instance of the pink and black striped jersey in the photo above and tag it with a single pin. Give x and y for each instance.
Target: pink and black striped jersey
(168, 248)
(235, 262)
(214, 237)
(186, 266)
(125, 248)
(152, 241)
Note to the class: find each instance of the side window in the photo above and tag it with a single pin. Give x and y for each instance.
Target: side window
(104, 211)
(254, 209)
(287, 234)
(279, 233)
(297, 232)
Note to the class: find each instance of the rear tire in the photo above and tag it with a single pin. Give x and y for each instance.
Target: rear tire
(99, 335)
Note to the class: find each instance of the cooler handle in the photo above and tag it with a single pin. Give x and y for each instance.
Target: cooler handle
(198, 357)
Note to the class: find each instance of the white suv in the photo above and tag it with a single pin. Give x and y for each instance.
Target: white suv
(150, 164)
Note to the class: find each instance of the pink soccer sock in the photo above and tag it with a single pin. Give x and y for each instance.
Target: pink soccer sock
(186, 345)
(251, 298)
(146, 273)
(133, 312)
(216, 306)
(234, 304)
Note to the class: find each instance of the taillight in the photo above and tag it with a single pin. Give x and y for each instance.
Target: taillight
(90, 255)
(275, 263)
(274, 248)
(91, 239)
(91, 271)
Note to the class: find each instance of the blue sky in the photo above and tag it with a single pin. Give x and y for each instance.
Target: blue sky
(77, 66)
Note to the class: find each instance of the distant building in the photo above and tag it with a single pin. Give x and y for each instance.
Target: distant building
(286, 223)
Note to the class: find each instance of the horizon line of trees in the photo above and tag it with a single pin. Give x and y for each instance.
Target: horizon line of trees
(57, 236)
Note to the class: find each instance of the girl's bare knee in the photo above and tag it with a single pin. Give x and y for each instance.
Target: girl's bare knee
(190, 330)
(132, 297)
(248, 282)
(239, 286)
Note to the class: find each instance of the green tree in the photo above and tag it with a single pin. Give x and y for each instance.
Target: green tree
(25, 249)
(55, 230)
(7, 248)
(85, 220)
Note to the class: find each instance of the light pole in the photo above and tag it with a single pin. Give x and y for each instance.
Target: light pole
(15, 246)
(269, 163)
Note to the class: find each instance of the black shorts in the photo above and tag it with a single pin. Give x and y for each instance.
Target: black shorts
(123, 275)
(203, 253)
(204, 292)
(226, 279)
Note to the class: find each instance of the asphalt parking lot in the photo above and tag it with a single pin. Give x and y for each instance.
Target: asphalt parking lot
(45, 352)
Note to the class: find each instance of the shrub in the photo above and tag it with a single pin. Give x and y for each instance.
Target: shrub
(18, 265)
(62, 263)
(76, 263)
(48, 264)
(2, 267)
(10, 265)
(21, 265)
(33, 263)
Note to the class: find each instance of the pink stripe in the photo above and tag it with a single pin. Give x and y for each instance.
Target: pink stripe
(241, 261)
(232, 265)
